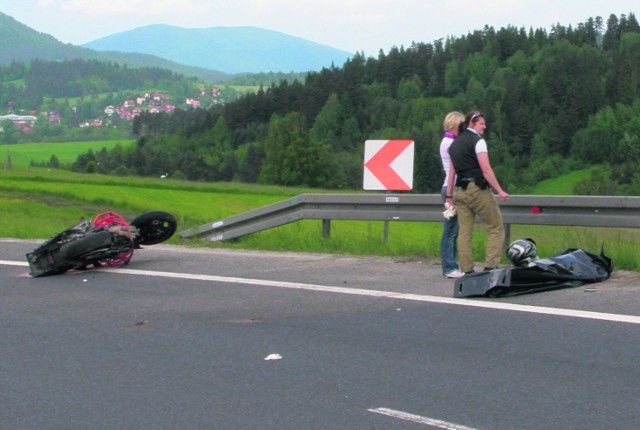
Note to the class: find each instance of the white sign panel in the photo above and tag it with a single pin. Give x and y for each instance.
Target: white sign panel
(388, 165)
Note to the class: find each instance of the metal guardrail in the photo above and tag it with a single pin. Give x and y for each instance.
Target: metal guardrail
(587, 211)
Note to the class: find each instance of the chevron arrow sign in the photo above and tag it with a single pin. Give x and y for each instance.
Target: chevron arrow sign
(388, 165)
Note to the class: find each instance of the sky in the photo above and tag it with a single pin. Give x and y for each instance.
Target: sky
(352, 25)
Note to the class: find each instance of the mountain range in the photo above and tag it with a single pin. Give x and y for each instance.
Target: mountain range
(230, 49)
(213, 54)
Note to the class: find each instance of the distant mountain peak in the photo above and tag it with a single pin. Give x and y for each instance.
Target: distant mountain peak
(243, 49)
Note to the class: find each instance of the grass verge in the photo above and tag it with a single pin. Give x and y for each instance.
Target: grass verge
(38, 203)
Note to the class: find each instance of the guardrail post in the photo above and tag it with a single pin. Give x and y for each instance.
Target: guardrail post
(326, 228)
(385, 238)
(507, 235)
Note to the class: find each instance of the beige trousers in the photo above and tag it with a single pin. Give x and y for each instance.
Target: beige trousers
(474, 202)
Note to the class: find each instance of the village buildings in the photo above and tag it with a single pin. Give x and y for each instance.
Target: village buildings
(127, 111)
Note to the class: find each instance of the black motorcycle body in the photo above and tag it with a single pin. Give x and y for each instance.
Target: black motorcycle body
(108, 239)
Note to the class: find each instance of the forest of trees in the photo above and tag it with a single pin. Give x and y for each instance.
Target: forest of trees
(79, 90)
(75, 78)
(554, 100)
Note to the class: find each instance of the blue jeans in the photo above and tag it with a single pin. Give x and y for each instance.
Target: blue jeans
(448, 243)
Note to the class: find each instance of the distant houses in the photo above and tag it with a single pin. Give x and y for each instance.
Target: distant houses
(25, 122)
(195, 103)
(127, 111)
(53, 117)
(19, 119)
(159, 97)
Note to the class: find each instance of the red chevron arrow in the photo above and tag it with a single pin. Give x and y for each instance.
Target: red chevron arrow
(380, 165)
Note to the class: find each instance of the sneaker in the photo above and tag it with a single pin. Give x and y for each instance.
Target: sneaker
(454, 274)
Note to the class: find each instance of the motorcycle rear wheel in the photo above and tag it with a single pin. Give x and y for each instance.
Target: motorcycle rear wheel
(155, 227)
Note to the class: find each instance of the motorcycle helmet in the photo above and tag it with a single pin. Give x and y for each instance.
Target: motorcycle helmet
(521, 252)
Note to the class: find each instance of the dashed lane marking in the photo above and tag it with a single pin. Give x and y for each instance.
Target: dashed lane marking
(419, 419)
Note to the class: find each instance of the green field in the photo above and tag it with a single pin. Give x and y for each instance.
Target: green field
(39, 202)
(22, 154)
(562, 186)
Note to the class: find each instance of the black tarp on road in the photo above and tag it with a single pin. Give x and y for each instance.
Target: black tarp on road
(571, 268)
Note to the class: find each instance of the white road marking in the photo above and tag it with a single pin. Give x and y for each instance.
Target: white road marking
(419, 419)
(632, 319)
(13, 263)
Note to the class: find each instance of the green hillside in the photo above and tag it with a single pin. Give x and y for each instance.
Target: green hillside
(529, 84)
(23, 44)
(562, 185)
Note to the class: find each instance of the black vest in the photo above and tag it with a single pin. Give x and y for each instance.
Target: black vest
(463, 156)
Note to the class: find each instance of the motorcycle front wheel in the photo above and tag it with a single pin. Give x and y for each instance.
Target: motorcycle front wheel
(155, 227)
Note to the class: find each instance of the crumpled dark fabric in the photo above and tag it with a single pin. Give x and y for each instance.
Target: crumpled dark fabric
(570, 268)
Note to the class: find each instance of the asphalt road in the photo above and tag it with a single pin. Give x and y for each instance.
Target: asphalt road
(217, 339)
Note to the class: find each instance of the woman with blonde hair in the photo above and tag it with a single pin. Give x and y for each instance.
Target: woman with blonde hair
(448, 248)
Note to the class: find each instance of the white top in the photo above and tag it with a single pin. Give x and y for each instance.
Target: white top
(444, 156)
(481, 146)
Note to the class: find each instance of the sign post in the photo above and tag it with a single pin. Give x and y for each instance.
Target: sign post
(388, 166)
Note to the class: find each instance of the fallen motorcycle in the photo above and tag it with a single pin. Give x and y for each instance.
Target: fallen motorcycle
(107, 239)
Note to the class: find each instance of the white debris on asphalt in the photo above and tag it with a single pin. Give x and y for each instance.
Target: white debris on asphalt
(273, 357)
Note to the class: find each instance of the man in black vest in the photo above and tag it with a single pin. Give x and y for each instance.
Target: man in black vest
(473, 176)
